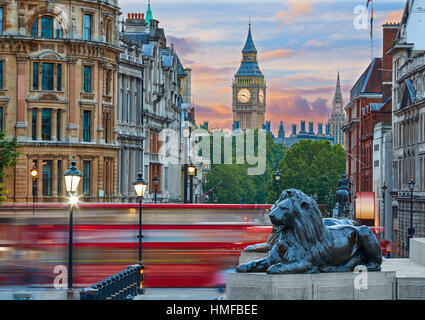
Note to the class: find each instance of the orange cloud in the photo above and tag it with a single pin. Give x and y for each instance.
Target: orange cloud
(394, 16)
(277, 54)
(296, 9)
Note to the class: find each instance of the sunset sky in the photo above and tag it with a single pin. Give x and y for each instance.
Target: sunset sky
(301, 45)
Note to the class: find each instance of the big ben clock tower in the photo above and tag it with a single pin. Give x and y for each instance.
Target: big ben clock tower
(249, 89)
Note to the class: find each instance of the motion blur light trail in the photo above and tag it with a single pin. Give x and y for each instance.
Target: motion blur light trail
(183, 245)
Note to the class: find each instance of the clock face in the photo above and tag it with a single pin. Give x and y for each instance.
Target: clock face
(244, 95)
(261, 96)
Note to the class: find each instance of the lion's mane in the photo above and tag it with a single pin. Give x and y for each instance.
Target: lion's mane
(307, 238)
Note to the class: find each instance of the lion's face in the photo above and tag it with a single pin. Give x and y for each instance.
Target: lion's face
(283, 213)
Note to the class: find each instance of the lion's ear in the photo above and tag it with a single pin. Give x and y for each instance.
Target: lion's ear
(304, 205)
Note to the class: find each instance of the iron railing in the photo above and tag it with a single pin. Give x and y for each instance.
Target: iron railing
(121, 286)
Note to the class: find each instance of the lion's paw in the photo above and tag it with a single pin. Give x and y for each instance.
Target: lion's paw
(242, 268)
(275, 269)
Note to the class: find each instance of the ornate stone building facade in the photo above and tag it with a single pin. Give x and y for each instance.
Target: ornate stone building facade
(58, 61)
(408, 122)
(249, 90)
(153, 103)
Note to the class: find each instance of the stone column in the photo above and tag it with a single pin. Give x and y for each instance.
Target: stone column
(115, 102)
(62, 121)
(21, 126)
(125, 176)
(132, 166)
(54, 124)
(29, 121)
(40, 178)
(100, 130)
(119, 175)
(73, 97)
(55, 178)
(95, 178)
(39, 123)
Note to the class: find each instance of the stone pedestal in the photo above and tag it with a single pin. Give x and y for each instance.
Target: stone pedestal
(321, 286)
(399, 279)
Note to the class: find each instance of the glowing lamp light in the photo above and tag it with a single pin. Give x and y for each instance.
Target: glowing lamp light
(277, 175)
(140, 185)
(34, 173)
(72, 177)
(73, 200)
(191, 170)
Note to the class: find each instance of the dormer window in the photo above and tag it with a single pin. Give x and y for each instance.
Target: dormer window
(47, 27)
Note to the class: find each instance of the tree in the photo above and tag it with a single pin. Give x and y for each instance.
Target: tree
(232, 182)
(8, 159)
(313, 167)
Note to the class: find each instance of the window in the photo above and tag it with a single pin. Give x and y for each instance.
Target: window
(47, 27)
(34, 29)
(46, 124)
(87, 27)
(106, 126)
(1, 118)
(1, 73)
(59, 77)
(58, 125)
(87, 79)
(59, 31)
(86, 178)
(376, 163)
(59, 177)
(34, 124)
(50, 28)
(35, 76)
(376, 147)
(1, 20)
(47, 76)
(86, 126)
(47, 178)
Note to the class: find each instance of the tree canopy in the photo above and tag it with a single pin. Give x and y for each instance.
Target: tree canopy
(313, 167)
(8, 158)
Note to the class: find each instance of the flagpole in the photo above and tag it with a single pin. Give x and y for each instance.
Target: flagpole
(371, 31)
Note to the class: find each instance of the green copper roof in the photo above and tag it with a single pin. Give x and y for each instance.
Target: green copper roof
(149, 15)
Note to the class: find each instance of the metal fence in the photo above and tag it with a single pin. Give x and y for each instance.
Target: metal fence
(121, 286)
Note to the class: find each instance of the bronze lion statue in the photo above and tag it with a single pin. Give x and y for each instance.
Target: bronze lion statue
(303, 242)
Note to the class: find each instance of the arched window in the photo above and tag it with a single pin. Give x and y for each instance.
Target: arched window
(47, 27)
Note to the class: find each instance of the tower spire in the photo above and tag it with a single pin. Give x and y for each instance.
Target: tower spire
(338, 95)
(249, 44)
(149, 15)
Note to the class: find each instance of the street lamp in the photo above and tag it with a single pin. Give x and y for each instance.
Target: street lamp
(411, 230)
(276, 176)
(140, 187)
(72, 179)
(191, 171)
(384, 188)
(354, 198)
(330, 202)
(155, 182)
(34, 176)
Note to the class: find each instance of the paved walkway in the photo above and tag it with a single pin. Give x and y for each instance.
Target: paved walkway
(180, 294)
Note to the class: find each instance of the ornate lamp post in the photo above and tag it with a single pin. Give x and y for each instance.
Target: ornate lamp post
(155, 182)
(140, 187)
(34, 176)
(354, 198)
(72, 180)
(277, 176)
(411, 230)
(191, 171)
(384, 188)
(330, 202)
